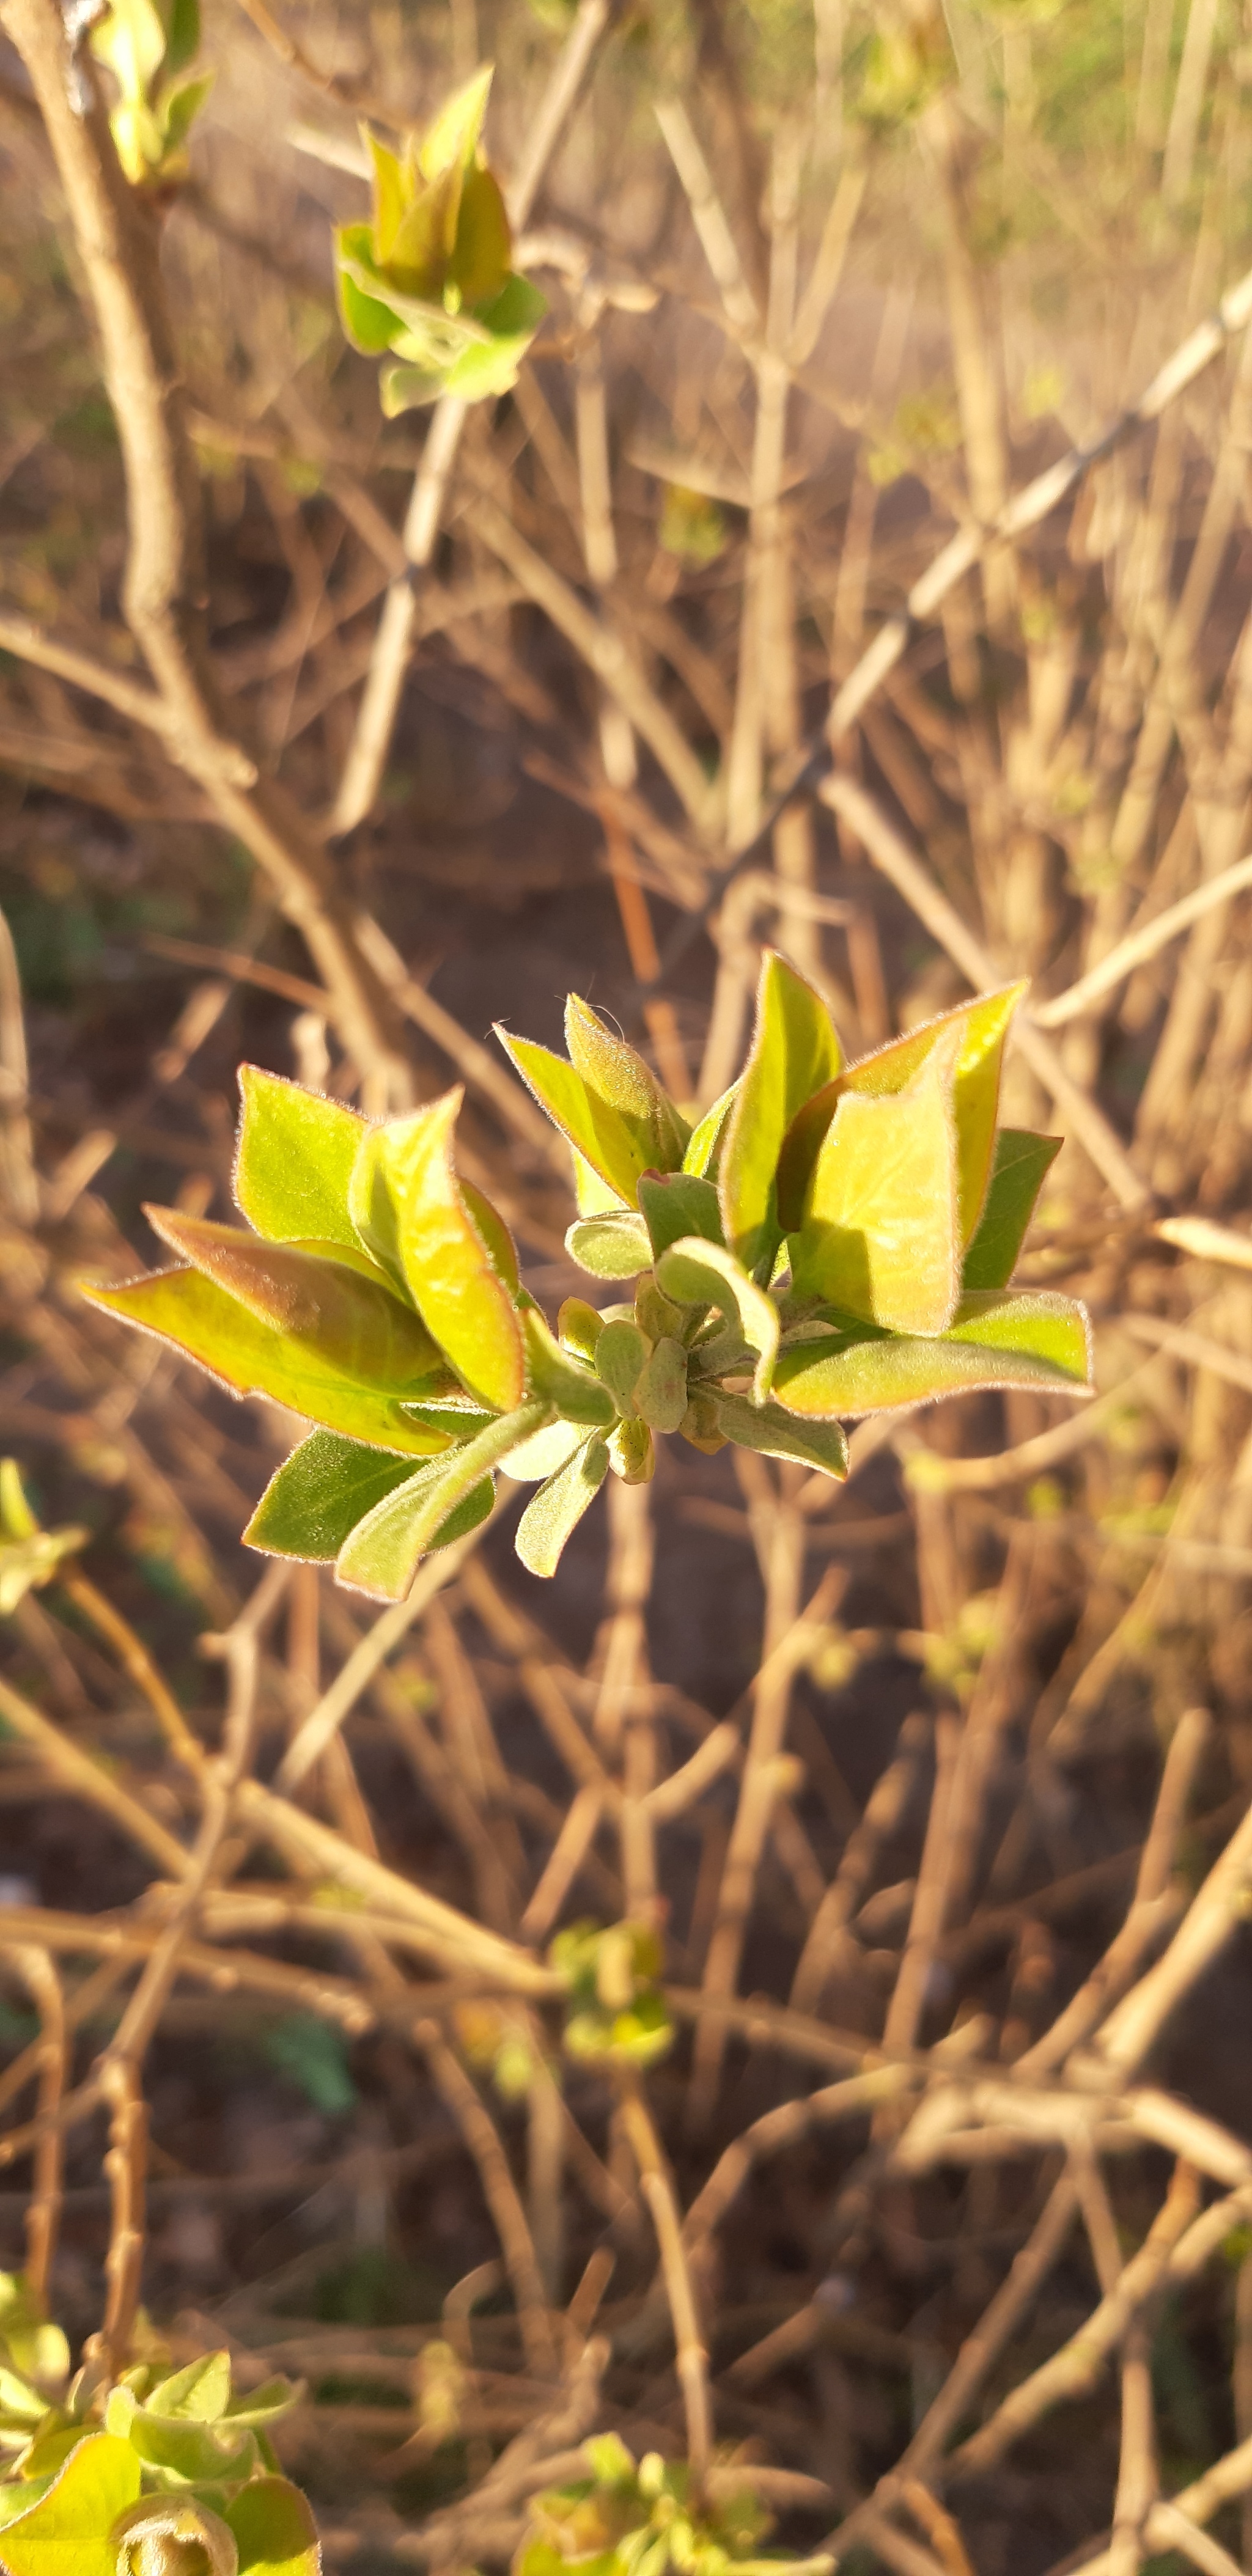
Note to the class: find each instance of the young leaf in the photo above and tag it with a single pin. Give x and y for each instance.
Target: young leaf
(383, 1552)
(610, 1247)
(632, 1453)
(620, 1355)
(705, 1142)
(1021, 1165)
(849, 1377)
(678, 1203)
(191, 1311)
(314, 1501)
(559, 1505)
(545, 1451)
(323, 1307)
(72, 2523)
(500, 1247)
(794, 1052)
(451, 139)
(445, 1259)
(592, 1196)
(571, 1390)
(294, 1161)
(163, 2531)
(880, 1236)
(618, 1148)
(578, 1328)
(661, 1388)
(273, 2530)
(777, 1434)
(619, 1076)
(705, 1274)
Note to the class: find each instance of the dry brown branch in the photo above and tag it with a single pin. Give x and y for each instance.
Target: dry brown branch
(657, 2186)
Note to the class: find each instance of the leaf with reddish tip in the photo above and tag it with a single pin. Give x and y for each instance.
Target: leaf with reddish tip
(336, 1311)
(199, 1318)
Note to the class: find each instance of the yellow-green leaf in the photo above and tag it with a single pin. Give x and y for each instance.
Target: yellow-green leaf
(314, 1501)
(191, 1311)
(620, 1355)
(616, 1147)
(445, 1259)
(674, 1204)
(696, 1273)
(842, 1375)
(1038, 1323)
(69, 2528)
(660, 1393)
(334, 1310)
(617, 1074)
(273, 2530)
(779, 1434)
(881, 1232)
(616, 1246)
(572, 1390)
(794, 1053)
(384, 1550)
(559, 1505)
(1018, 1172)
(294, 1161)
(705, 1141)
(451, 139)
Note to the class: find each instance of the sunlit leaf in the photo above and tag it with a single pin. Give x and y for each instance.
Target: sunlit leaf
(171, 2532)
(559, 1505)
(705, 1274)
(610, 1247)
(573, 1391)
(384, 1550)
(677, 1203)
(578, 1328)
(273, 2530)
(617, 1074)
(1020, 1167)
(483, 246)
(70, 2526)
(632, 1452)
(200, 2391)
(331, 1310)
(540, 1456)
(620, 1355)
(451, 139)
(1035, 1322)
(881, 1236)
(592, 1196)
(444, 1258)
(794, 1052)
(660, 1393)
(314, 1501)
(368, 321)
(294, 1161)
(847, 1375)
(778, 1434)
(191, 1311)
(619, 1149)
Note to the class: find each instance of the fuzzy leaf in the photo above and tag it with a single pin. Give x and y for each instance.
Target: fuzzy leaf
(777, 1434)
(592, 1196)
(335, 1311)
(444, 1258)
(319, 1494)
(294, 1161)
(70, 2526)
(850, 1375)
(618, 1076)
(880, 1237)
(191, 1311)
(620, 1355)
(679, 1203)
(610, 1246)
(1018, 1172)
(705, 1274)
(1039, 1322)
(541, 1455)
(617, 1148)
(574, 1393)
(559, 1505)
(274, 2530)
(578, 1328)
(794, 1053)
(661, 1388)
(705, 1142)
(383, 1552)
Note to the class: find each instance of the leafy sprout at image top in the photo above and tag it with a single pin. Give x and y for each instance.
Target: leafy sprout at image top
(828, 1241)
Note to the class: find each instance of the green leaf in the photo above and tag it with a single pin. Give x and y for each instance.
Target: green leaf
(614, 1147)
(881, 1236)
(794, 1052)
(391, 192)
(180, 106)
(314, 1501)
(444, 1258)
(559, 1505)
(705, 1141)
(592, 1196)
(497, 1241)
(539, 1457)
(201, 2391)
(848, 1374)
(383, 1552)
(338, 1314)
(611, 1246)
(1039, 1323)
(191, 1311)
(679, 1203)
(482, 251)
(620, 1355)
(70, 2526)
(661, 1388)
(313, 2055)
(1018, 1172)
(578, 1328)
(182, 37)
(617, 1074)
(777, 1434)
(274, 2530)
(705, 1274)
(451, 139)
(294, 1161)
(572, 1390)
(368, 322)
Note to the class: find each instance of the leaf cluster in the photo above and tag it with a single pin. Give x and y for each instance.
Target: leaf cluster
(148, 46)
(628, 2518)
(164, 2473)
(429, 279)
(828, 1241)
